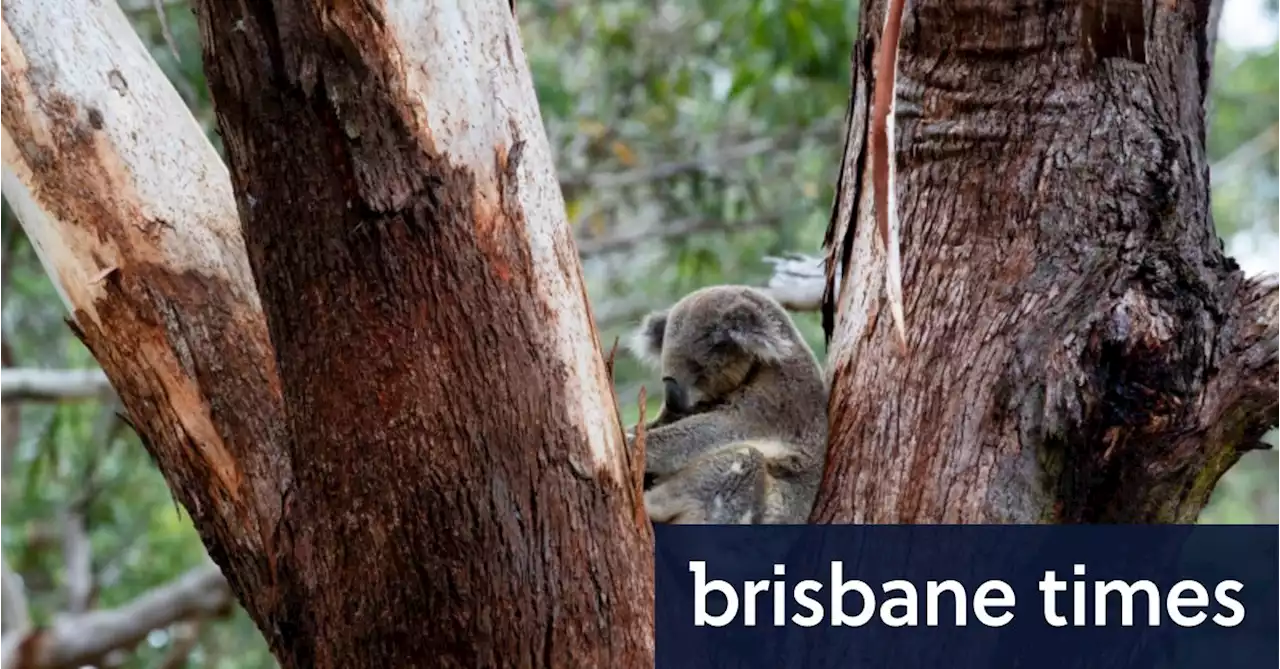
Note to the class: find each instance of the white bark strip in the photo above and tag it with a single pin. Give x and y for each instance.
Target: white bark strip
(471, 80)
(886, 160)
(113, 179)
(153, 168)
(857, 302)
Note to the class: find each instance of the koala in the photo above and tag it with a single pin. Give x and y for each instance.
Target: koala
(742, 434)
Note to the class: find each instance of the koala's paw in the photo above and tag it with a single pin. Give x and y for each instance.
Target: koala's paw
(658, 505)
(665, 505)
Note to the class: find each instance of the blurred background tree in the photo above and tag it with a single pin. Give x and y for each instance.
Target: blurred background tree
(694, 140)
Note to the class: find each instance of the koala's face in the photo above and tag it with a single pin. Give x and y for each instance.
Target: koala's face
(700, 364)
(709, 343)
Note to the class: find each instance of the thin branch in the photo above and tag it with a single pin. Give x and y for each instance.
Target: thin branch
(53, 385)
(8, 249)
(74, 640)
(624, 310)
(666, 170)
(14, 614)
(1211, 31)
(680, 228)
(185, 637)
(77, 556)
(140, 6)
(158, 5)
(10, 419)
(77, 550)
(1244, 155)
(10, 415)
(670, 169)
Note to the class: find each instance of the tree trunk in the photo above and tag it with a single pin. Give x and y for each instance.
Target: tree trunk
(436, 473)
(132, 215)
(1080, 349)
(456, 450)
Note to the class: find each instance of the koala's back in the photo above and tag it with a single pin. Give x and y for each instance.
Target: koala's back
(786, 403)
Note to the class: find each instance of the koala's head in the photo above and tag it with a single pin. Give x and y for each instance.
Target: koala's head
(710, 341)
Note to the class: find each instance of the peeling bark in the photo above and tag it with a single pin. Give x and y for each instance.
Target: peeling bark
(1081, 350)
(132, 215)
(457, 455)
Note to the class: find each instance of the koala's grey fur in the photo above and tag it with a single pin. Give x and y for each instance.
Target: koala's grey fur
(742, 435)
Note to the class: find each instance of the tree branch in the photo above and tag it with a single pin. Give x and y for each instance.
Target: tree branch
(74, 640)
(666, 170)
(1244, 155)
(1244, 392)
(133, 218)
(1211, 30)
(675, 229)
(77, 556)
(185, 638)
(56, 385)
(455, 235)
(14, 614)
(797, 281)
(10, 418)
(139, 6)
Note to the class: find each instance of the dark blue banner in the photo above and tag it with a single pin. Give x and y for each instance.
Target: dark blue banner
(958, 596)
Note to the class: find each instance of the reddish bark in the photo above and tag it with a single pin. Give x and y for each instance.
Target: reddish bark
(448, 505)
(1081, 350)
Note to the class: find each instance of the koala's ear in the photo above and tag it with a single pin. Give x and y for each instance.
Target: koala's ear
(755, 333)
(646, 342)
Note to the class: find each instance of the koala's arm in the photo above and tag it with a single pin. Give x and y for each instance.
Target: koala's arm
(670, 448)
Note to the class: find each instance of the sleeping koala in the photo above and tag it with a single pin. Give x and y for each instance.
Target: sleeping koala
(742, 435)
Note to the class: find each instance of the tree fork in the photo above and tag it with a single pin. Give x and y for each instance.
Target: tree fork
(1081, 348)
(461, 492)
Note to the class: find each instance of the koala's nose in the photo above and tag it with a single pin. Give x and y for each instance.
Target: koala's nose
(669, 386)
(675, 398)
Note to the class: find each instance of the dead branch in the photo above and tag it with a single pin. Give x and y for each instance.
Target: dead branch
(53, 385)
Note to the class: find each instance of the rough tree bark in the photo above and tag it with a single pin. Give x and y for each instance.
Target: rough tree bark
(1081, 350)
(131, 213)
(436, 475)
(456, 450)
